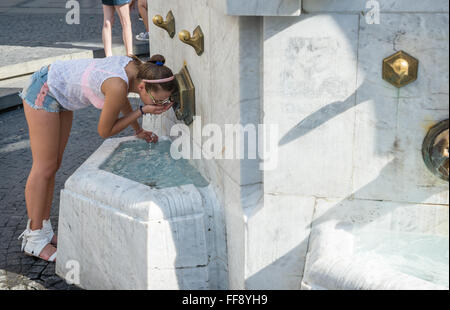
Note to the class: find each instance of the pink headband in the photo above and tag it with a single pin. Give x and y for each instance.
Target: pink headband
(159, 81)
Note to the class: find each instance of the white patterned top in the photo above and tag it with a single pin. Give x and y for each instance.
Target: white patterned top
(76, 84)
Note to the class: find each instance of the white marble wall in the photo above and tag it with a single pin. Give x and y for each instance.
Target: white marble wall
(322, 78)
(347, 137)
(391, 123)
(226, 78)
(344, 133)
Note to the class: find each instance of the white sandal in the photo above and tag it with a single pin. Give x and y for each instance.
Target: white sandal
(34, 242)
(47, 227)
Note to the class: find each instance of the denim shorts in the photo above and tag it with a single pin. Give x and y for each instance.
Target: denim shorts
(115, 2)
(37, 94)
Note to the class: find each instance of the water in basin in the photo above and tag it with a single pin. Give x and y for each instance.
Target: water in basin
(419, 255)
(151, 164)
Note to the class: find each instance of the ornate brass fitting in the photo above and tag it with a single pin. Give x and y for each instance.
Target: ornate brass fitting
(197, 41)
(184, 106)
(168, 25)
(400, 69)
(435, 150)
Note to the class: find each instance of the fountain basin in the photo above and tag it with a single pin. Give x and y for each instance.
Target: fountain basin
(129, 227)
(379, 248)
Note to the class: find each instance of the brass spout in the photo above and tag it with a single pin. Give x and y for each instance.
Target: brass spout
(168, 25)
(435, 150)
(184, 106)
(197, 41)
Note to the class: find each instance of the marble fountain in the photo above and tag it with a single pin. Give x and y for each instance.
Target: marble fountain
(134, 218)
(359, 196)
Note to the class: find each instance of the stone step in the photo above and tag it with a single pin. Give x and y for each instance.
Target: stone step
(91, 50)
(9, 90)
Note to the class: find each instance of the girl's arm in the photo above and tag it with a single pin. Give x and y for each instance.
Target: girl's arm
(128, 109)
(116, 91)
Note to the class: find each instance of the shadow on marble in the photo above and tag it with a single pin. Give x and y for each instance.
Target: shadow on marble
(336, 210)
(319, 117)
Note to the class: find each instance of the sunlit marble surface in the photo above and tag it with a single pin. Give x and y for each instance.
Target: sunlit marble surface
(126, 235)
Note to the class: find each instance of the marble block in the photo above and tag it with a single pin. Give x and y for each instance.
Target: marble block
(264, 7)
(309, 92)
(384, 5)
(126, 235)
(391, 123)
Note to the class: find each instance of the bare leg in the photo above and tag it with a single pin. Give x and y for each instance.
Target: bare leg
(108, 22)
(49, 199)
(44, 141)
(124, 14)
(65, 126)
(142, 5)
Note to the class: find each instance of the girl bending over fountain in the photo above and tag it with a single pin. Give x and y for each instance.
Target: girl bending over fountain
(50, 98)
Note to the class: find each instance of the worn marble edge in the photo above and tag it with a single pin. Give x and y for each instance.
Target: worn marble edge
(128, 196)
(263, 7)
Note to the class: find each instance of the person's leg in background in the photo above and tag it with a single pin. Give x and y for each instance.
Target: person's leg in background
(124, 14)
(142, 6)
(65, 127)
(108, 22)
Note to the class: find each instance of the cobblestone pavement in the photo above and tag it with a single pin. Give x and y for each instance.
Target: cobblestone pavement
(35, 29)
(18, 271)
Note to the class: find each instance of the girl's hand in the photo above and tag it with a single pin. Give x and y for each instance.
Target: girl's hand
(157, 109)
(147, 136)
